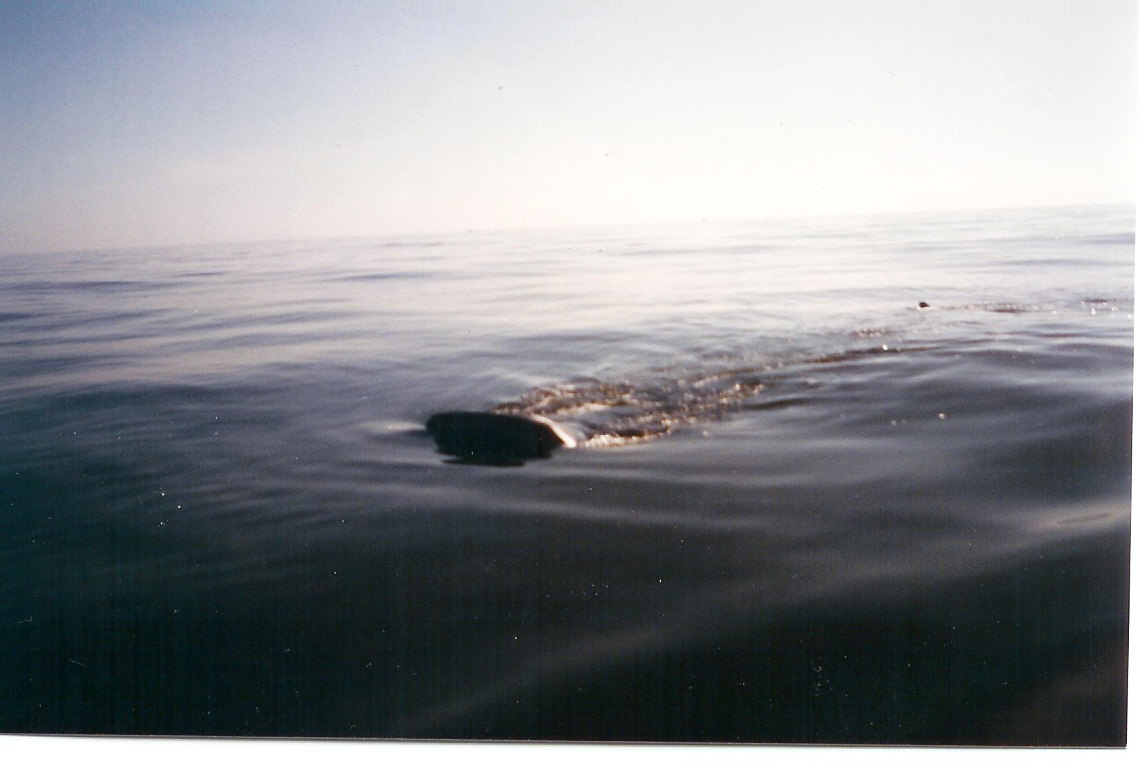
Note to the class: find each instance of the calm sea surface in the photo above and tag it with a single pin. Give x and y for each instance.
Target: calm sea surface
(808, 510)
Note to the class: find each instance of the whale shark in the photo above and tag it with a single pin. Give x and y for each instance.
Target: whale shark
(490, 438)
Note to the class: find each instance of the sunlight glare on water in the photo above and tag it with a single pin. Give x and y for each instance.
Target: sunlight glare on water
(787, 462)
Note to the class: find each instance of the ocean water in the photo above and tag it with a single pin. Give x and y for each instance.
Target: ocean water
(859, 480)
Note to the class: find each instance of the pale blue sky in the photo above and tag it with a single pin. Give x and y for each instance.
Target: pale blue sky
(155, 123)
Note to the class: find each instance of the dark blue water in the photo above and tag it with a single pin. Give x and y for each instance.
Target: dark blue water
(806, 509)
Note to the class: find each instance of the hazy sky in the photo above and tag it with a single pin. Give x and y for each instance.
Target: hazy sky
(152, 123)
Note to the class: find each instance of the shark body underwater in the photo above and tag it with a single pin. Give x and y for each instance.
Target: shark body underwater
(511, 433)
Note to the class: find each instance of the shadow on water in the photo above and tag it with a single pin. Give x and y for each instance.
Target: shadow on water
(1034, 653)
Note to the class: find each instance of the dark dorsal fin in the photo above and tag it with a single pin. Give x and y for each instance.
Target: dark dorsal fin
(495, 439)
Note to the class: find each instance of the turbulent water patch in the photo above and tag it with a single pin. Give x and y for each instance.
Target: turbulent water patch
(609, 413)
